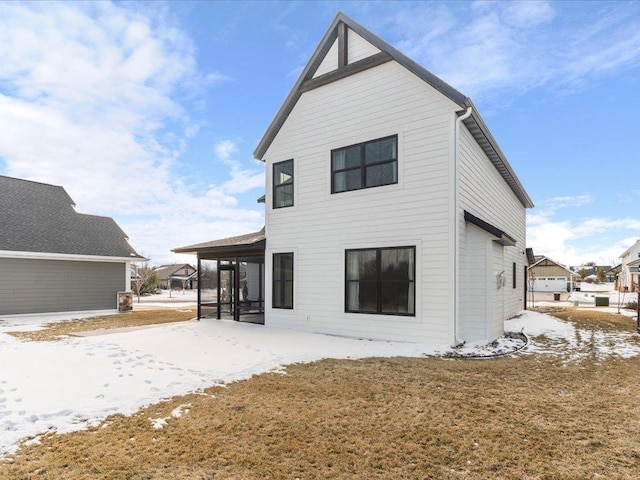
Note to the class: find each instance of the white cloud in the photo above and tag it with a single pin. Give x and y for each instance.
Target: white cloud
(576, 241)
(242, 180)
(497, 49)
(89, 100)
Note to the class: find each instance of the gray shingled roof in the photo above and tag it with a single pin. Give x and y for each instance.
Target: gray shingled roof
(474, 123)
(247, 240)
(165, 271)
(38, 217)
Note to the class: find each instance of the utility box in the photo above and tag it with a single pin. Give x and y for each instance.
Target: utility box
(125, 301)
(602, 301)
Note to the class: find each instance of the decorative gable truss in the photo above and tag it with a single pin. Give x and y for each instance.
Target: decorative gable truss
(348, 48)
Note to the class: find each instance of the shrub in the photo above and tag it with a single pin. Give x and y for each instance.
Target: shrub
(632, 305)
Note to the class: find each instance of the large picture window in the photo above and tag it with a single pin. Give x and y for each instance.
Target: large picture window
(381, 280)
(283, 184)
(369, 164)
(283, 280)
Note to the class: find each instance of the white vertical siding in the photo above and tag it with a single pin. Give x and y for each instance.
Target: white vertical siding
(485, 194)
(385, 100)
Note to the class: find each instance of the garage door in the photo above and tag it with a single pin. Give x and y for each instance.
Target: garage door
(550, 284)
(39, 286)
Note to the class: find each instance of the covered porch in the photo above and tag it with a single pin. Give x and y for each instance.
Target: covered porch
(238, 290)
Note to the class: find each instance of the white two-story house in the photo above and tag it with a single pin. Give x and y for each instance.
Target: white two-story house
(391, 212)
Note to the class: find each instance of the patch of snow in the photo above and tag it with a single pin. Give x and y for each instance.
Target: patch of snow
(158, 423)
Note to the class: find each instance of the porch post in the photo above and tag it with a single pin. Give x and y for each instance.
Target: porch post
(260, 273)
(199, 287)
(236, 293)
(218, 315)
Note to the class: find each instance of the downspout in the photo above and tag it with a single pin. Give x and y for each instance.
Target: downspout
(456, 277)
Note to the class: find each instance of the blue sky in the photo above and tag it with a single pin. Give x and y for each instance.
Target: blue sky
(149, 111)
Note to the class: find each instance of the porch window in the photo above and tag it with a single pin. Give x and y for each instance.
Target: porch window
(365, 165)
(283, 280)
(380, 281)
(283, 184)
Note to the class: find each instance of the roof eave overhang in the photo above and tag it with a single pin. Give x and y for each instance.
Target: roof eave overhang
(502, 237)
(481, 133)
(225, 250)
(67, 256)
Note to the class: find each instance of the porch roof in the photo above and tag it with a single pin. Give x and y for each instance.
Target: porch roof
(250, 244)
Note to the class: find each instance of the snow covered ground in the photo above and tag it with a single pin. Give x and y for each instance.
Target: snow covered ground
(66, 385)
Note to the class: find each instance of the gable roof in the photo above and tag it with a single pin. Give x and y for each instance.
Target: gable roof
(166, 271)
(306, 80)
(38, 217)
(546, 261)
(628, 250)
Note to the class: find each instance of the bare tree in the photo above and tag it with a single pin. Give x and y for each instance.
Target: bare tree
(145, 279)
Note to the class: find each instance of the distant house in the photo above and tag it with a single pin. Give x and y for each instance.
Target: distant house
(547, 275)
(629, 260)
(391, 211)
(634, 274)
(612, 274)
(53, 259)
(181, 276)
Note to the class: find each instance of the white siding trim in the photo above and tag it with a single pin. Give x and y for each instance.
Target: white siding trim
(64, 256)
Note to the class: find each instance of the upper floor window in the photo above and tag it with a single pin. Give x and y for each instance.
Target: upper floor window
(365, 165)
(283, 184)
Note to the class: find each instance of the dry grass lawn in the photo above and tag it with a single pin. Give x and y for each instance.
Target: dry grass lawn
(529, 417)
(53, 331)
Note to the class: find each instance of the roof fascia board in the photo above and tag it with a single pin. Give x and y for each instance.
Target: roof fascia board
(66, 256)
(312, 65)
(259, 245)
(500, 162)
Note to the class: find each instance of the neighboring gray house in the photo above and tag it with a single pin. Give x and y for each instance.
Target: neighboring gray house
(53, 259)
(391, 212)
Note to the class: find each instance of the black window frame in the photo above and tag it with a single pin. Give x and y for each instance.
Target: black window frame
(514, 275)
(277, 186)
(379, 281)
(277, 276)
(363, 166)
